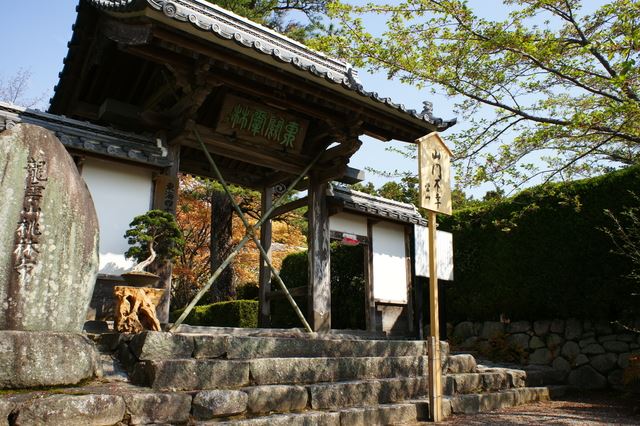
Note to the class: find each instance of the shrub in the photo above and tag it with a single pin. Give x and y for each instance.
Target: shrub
(248, 291)
(235, 313)
(543, 254)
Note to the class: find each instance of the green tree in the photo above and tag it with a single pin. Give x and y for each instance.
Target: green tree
(551, 91)
(276, 14)
(153, 235)
(625, 234)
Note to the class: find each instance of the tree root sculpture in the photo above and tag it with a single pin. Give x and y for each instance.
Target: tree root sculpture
(136, 309)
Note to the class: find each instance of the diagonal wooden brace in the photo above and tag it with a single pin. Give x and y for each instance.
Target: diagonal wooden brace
(250, 234)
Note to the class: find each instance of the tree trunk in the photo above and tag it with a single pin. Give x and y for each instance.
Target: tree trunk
(221, 238)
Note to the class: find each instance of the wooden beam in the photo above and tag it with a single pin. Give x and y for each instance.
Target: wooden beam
(299, 86)
(285, 208)
(267, 94)
(226, 146)
(295, 292)
(344, 150)
(333, 172)
(264, 319)
(352, 175)
(125, 33)
(238, 177)
(173, 61)
(319, 292)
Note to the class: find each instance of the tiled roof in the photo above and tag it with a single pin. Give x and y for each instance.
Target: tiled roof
(208, 17)
(87, 137)
(375, 206)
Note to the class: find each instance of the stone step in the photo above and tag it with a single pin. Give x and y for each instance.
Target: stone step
(193, 374)
(460, 363)
(295, 419)
(362, 393)
(483, 402)
(543, 375)
(112, 370)
(156, 346)
(488, 381)
(105, 404)
(386, 414)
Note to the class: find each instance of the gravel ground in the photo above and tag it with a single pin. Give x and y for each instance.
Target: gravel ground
(576, 409)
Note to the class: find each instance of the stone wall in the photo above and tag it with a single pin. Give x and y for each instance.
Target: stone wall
(583, 354)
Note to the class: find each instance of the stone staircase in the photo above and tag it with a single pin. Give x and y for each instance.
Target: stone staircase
(470, 388)
(248, 380)
(273, 377)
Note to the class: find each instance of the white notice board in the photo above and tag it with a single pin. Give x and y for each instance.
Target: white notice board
(444, 251)
(389, 263)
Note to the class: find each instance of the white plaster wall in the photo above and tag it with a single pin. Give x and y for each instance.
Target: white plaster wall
(120, 192)
(348, 223)
(389, 263)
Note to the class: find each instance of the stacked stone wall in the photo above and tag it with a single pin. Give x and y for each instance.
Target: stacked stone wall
(581, 353)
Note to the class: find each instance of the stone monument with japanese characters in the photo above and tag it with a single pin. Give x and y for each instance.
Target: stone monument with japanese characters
(48, 234)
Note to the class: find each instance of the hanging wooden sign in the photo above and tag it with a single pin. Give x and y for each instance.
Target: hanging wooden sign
(257, 123)
(165, 196)
(434, 163)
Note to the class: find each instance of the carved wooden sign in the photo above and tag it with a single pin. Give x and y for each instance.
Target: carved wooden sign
(435, 164)
(259, 124)
(165, 193)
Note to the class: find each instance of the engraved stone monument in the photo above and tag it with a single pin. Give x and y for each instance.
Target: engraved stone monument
(48, 234)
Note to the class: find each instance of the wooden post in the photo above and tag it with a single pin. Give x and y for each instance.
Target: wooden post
(434, 164)
(410, 280)
(166, 198)
(319, 287)
(435, 373)
(264, 319)
(370, 303)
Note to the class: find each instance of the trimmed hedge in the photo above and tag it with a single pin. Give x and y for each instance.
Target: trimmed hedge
(347, 288)
(235, 313)
(543, 254)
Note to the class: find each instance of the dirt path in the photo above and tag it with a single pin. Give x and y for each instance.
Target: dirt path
(578, 409)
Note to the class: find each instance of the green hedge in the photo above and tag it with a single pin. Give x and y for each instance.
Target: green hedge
(347, 288)
(543, 254)
(235, 313)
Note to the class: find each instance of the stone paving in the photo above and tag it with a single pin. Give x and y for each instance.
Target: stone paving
(589, 409)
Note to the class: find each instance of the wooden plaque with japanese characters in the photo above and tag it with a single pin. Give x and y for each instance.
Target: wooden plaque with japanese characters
(435, 163)
(261, 125)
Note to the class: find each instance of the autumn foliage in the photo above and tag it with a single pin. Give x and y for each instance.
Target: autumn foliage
(193, 268)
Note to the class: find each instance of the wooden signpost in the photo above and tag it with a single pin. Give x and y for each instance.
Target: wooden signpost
(434, 160)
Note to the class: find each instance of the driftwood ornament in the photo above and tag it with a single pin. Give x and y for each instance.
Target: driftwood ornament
(136, 309)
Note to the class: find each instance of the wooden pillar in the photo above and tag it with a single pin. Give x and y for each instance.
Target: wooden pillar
(408, 231)
(319, 286)
(166, 198)
(264, 318)
(370, 303)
